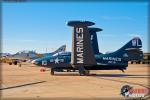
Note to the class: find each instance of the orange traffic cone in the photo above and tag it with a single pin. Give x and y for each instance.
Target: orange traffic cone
(42, 70)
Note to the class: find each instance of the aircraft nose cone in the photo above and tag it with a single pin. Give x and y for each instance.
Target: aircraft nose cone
(34, 62)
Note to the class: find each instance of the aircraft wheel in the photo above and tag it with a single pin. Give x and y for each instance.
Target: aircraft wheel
(87, 72)
(82, 73)
(10, 63)
(15, 62)
(68, 70)
(52, 71)
(73, 70)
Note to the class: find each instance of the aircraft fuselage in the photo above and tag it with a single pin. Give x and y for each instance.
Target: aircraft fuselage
(104, 61)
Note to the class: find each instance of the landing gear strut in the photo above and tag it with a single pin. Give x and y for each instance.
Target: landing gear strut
(87, 72)
(52, 71)
(123, 71)
(83, 72)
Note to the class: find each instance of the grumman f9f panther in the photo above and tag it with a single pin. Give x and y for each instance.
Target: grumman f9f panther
(85, 55)
(45, 61)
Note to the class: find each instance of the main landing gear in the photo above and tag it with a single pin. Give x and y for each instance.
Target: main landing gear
(52, 71)
(83, 72)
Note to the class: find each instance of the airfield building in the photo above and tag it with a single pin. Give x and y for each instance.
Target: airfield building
(145, 60)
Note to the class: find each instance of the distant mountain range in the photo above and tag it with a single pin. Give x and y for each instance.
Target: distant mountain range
(5, 54)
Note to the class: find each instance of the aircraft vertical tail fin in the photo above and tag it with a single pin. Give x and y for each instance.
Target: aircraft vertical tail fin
(94, 41)
(60, 49)
(132, 50)
(82, 51)
(135, 43)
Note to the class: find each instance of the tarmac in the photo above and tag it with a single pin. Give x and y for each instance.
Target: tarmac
(28, 81)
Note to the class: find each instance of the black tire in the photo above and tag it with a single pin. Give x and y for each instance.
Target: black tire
(73, 70)
(82, 73)
(52, 71)
(68, 70)
(15, 62)
(139, 62)
(87, 72)
(10, 63)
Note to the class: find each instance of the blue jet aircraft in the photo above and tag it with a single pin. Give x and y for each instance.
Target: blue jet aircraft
(31, 55)
(60, 49)
(85, 55)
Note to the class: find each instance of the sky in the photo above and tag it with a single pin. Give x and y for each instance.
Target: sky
(41, 26)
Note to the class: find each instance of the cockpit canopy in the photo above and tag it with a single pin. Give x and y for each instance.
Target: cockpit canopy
(62, 54)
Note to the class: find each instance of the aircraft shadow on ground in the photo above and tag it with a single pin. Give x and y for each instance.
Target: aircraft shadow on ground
(122, 75)
(106, 75)
(17, 86)
(67, 74)
(120, 81)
